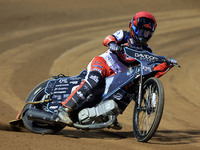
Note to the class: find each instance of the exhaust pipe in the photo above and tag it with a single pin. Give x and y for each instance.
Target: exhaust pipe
(41, 116)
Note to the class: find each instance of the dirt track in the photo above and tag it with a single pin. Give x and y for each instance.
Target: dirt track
(40, 39)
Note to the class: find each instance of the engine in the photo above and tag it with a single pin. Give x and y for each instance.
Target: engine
(99, 113)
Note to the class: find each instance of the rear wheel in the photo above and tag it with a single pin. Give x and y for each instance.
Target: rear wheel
(147, 116)
(36, 95)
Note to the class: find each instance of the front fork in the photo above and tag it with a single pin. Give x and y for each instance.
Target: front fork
(140, 92)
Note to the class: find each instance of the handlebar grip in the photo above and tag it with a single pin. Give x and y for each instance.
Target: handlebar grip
(174, 64)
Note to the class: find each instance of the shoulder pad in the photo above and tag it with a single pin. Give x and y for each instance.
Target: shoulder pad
(119, 35)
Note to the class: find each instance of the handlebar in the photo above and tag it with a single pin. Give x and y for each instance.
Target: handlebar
(173, 64)
(135, 48)
(139, 49)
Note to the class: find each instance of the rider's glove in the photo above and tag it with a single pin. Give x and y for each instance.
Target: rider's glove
(114, 47)
(172, 61)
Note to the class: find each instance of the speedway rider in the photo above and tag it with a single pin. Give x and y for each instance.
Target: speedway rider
(113, 61)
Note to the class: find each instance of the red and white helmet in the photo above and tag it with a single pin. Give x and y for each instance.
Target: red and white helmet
(142, 27)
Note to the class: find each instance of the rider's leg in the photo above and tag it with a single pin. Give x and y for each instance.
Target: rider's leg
(78, 96)
(100, 68)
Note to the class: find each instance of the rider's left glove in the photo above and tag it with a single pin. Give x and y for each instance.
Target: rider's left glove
(114, 47)
(172, 61)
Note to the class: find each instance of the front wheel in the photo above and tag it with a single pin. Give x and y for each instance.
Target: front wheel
(147, 115)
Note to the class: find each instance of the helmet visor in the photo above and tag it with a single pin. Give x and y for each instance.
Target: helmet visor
(145, 23)
(143, 33)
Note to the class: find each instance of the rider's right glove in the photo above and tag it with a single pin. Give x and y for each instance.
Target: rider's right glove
(114, 47)
(172, 61)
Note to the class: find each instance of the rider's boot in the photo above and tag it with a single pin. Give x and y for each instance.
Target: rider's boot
(78, 97)
(63, 115)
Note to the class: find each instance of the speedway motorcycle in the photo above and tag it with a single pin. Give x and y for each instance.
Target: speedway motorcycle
(38, 113)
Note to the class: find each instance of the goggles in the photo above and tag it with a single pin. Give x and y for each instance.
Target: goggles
(145, 28)
(143, 33)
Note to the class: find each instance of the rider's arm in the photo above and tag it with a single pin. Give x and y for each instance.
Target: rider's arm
(114, 38)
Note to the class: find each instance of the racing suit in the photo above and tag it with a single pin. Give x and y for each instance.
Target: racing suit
(105, 65)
